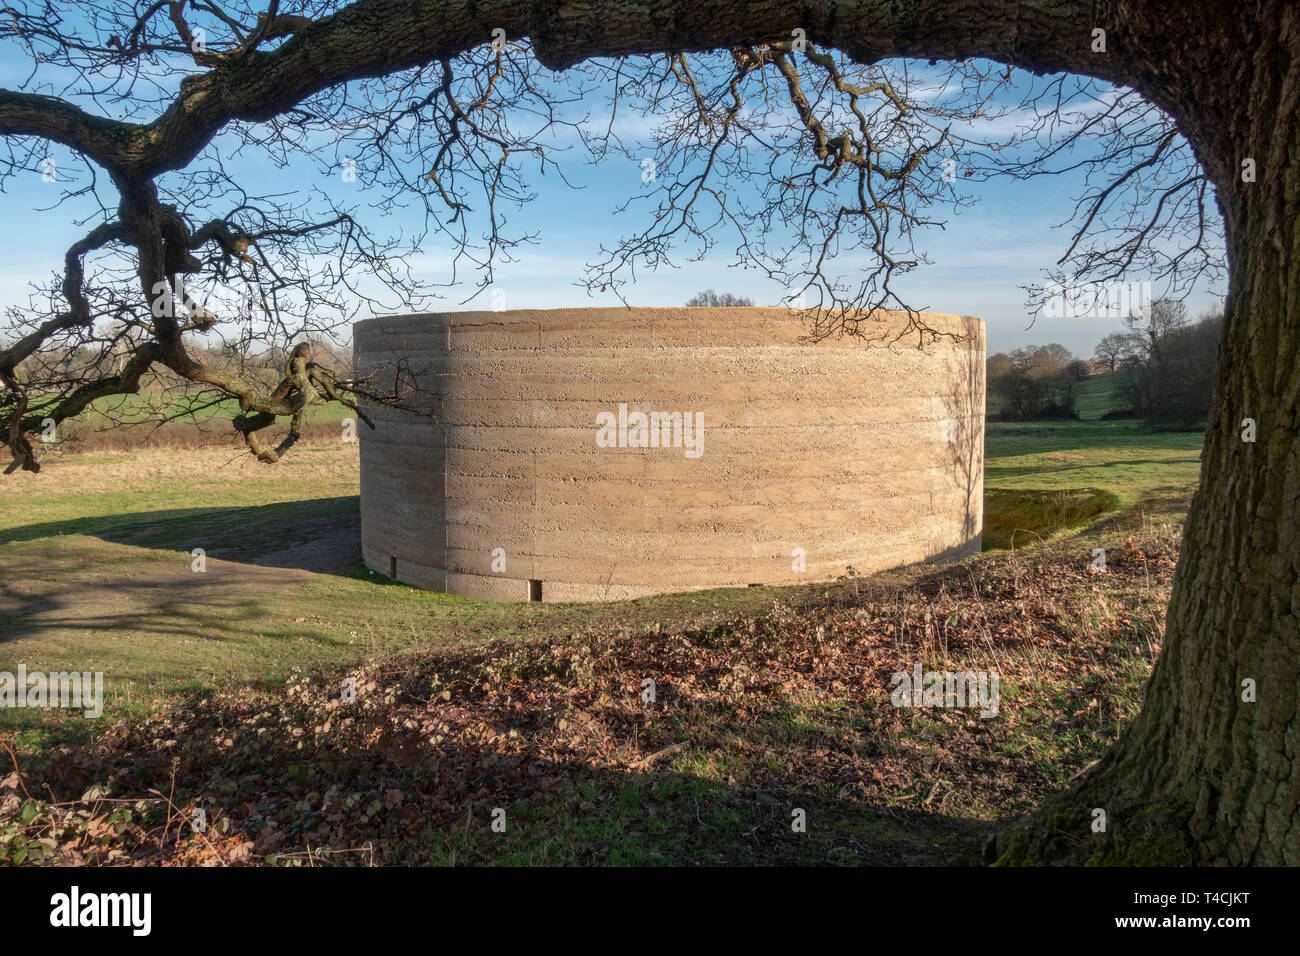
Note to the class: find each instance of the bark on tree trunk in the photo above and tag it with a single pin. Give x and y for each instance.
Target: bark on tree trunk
(1205, 774)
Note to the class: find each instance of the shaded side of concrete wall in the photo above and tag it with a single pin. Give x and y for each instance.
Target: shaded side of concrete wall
(851, 453)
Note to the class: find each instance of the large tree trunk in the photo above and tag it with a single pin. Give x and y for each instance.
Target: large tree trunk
(1203, 774)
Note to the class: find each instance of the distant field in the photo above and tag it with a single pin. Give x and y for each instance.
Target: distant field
(151, 421)
(1094, 397)
(1113, 456)
(182, 406)
(191, 404)
(1098, 394)
(1040, 477)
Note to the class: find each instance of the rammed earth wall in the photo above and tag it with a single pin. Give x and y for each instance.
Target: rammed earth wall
(530, 470)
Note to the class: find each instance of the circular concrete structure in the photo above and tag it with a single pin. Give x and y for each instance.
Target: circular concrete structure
(597, 454)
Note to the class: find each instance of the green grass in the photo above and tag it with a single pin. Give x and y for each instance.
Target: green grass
(1098, 394)
(1093, 397)
(1116, 457)
(1045, 478)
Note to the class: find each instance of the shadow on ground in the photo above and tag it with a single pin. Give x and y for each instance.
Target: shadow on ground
(322, 535)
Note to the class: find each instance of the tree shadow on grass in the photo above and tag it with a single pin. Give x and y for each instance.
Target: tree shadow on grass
(321, 534)
(148, 616)
(144, 612)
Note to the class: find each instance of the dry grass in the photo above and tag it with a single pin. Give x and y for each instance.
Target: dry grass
(156, 471)
(171, 436)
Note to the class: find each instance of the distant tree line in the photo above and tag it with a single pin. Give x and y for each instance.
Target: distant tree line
(715, 300)
(1036, 382)
(1165, 368)
(1167, 365)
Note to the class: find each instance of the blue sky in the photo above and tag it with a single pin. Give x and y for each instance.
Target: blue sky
(982, 259)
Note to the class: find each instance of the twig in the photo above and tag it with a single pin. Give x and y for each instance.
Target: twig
(660, 754)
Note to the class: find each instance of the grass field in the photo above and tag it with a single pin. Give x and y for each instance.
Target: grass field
(175, 404)
(1047, 476)
(1098, 394)
(171, 420)
(1093, 397)
(223, 684)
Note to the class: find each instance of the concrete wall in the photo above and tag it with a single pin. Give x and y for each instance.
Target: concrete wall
(836, 448)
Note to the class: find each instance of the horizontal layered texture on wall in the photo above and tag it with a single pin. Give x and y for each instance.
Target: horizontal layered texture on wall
(525, 465)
